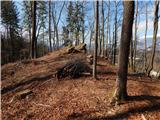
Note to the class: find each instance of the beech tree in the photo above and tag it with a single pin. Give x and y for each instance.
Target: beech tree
(121, 81)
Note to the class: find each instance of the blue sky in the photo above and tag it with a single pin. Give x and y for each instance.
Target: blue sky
(90, 16)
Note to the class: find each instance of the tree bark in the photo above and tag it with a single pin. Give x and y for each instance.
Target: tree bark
(107, 37)
(135, 38)
(83, 25)
(12, 44)
(115, 37)
(150, 67)
(121, 81)
(102, 29)
(34, 41)
(131, 52)
(145, 43)
(56, 28)
(49, 31)
(99, 41)
(43, 42)
(96, 40)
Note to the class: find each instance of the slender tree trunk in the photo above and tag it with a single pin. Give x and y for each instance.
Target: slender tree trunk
(43, 42)
(55, 29)
(90, 43)
(112, 47)
(135, 38)
(29, 30)
(49, 13)
(57, 37)
(150, 67)
(34, 41)
(12, 44)
(115, 37)
(102, 29)
(131, 52)
(121, 82)
(7, 34)
(96, 40)
(99, 41)
(3, 55)
(30, 42)
(54, 33)
(107, 36)
(83, 25)
(145, 43)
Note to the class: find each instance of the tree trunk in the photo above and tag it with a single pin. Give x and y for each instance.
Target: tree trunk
(57, 37)
(145, 43)
(115, 37)
(83, 25)
(131, 52)
(99, 41)
(30, 41)
(96, 40)
(121, 82)
(12, 44)
(135, 38)
(49, 31)
(102, 29)
(34, 42)
(150, 67)
(43, 42)
(112, 47)
(107, 37)
(90, 43)
(55, 29)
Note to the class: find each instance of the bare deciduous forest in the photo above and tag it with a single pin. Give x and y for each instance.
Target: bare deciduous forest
(80, 60)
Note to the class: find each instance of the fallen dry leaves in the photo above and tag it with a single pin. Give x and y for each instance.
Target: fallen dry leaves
(76, 99)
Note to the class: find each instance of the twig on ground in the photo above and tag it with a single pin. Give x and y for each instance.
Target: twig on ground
(39, 104)
(143, 117)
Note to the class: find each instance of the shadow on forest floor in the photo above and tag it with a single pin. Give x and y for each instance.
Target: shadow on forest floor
(154, 106)
(106, 72)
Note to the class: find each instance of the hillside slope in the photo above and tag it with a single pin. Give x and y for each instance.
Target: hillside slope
(73, 99)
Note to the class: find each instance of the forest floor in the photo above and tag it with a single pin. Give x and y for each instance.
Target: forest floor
(81, 98)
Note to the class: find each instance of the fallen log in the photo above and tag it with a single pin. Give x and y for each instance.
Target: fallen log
(76, 49)
(37, 77)
(23, 94)
(72, 69)
(90, 59)
(81, 47)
